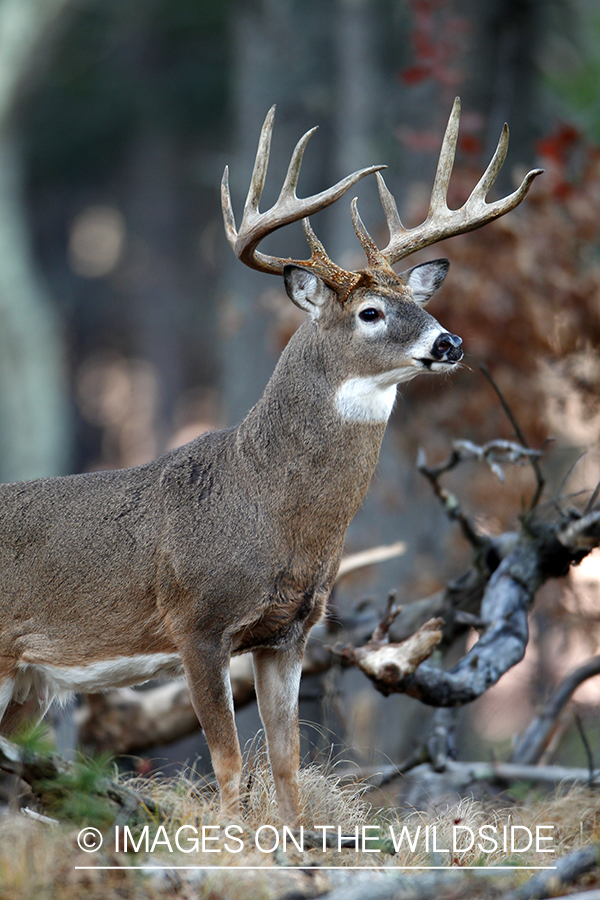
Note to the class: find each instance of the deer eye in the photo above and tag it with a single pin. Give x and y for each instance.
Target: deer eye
(370, 314)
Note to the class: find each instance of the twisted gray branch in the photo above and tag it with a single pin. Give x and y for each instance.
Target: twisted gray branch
(541, 552)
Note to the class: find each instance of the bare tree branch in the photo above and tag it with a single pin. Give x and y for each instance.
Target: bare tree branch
(440, 737)
(450, 503)
(542, 552)
(386, 663)
(495, 453)
(568, 869)
(538, 735)
(520, 435)
(355, 561)
(460, 777)
(463, 774)
(463, 595)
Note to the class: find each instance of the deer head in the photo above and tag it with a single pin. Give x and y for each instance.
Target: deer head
(376, 309)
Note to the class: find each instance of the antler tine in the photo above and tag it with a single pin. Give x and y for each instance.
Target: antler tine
(286, 212)
(372, 252)
(227, 207)
(259, 172)
(390, 209)
(316, 247)
(290, 183)
(488, 178)
(288, 208)
(481, 189)
(445, 164)
(442, 222)
(340, 279)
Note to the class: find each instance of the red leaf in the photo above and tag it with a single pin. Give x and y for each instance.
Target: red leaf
(415, 74)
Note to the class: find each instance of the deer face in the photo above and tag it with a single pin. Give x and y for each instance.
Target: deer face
(397, 337)
(381, 336)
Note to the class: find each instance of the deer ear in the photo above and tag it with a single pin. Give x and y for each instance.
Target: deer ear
(305, 289)
(426, 279)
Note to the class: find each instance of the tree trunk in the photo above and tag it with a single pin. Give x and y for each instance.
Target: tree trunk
(33, 417)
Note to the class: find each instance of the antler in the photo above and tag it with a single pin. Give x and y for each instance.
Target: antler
(289, 208)
(442, 222)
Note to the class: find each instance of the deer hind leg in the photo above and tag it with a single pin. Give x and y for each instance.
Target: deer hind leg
(277, 680)
(207, 673)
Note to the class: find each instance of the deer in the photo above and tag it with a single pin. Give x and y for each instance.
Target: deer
(231, 543)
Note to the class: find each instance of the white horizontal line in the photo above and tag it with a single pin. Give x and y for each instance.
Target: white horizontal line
(320, 868)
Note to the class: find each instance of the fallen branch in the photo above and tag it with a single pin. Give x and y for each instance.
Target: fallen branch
(506, 773)
(453, 883)
(533, 742)
(365, 558)
(568, 870)
(542, 551)
(460, 776)
(386, 663)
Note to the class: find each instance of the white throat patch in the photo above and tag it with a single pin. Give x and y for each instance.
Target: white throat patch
(365, 400)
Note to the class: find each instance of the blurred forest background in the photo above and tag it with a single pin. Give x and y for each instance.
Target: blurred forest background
(128, 327)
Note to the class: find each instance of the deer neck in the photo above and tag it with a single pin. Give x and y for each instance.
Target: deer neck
(297, 435)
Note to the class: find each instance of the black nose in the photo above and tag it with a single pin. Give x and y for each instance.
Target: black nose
(448, 347)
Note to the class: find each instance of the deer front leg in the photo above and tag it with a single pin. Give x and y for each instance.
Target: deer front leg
(277, 681)
(207, 673)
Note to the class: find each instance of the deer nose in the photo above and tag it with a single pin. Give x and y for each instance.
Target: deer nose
(448, 347)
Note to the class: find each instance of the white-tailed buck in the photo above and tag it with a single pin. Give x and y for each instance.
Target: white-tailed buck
(232, 542)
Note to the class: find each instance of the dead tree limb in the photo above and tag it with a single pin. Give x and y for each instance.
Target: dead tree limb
(355, 561)
(534, 459)
(568, 870)
(460, 599)
(542, 551)
(495, 453)
(533, 742)
(452, 507)
(462, 774)
(386, 663)
(456, 883)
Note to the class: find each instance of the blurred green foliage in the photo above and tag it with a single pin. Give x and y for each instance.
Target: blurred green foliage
(80, 795)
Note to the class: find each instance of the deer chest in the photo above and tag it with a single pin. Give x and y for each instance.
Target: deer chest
(286, 619)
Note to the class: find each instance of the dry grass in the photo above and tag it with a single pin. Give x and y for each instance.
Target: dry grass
(39, 861)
